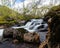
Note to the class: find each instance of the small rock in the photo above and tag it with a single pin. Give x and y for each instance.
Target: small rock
(15, 41)
(43, 44)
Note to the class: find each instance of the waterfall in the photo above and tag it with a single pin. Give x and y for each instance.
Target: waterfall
(1, 33)
(32, 26)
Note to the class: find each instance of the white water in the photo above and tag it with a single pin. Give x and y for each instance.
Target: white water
(32, 25)
(1, 33)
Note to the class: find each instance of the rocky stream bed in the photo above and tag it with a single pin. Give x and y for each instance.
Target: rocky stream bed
(31, 37)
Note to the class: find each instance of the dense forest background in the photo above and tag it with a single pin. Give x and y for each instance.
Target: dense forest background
(31, 10)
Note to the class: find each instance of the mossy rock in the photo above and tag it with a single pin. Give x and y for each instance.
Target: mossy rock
(54, 11)
(22, 30)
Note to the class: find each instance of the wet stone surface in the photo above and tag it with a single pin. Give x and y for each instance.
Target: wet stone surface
(8, 44)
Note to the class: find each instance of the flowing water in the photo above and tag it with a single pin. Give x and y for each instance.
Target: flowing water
(1, 33)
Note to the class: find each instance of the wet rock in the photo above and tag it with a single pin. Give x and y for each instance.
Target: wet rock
(22, 30)
(32, 37)
(43, 45)
(21, 33)
(54, 31)
(26, 21)
(53, 35)
(14, 33)
(8, 32)
(1, 26)
(15, 41)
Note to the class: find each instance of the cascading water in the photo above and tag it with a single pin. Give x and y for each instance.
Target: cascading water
(33, 25)
(1, 33)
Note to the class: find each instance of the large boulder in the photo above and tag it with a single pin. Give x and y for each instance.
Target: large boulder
(20, 34)
(32, 37)
(54, 32)
(53, 35)
(8, 32)
(14, 33)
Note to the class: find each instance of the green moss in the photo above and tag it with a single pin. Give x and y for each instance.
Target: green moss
(7, 15)
(54, 11)
(55, 8)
